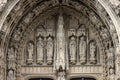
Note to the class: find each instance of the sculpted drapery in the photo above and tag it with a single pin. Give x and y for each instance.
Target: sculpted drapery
(50, 49)
(72, 49)
(30, 50)
(40, 50)
(82, 49)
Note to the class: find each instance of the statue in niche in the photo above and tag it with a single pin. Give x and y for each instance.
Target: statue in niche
(17, 34)
(93, 52)
(10, 75)
(72, 49)
(110, 58)
(30, 50)
(11, 58)
(104, 32)
(49, 50)
(82, 49)
(40, 50)
(111, 74)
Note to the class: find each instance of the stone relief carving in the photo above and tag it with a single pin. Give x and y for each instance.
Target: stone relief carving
(38, 9)
(29, 17)
(10, 75)
(50, 50)
(92, 16)
(1, 69)
(17, 33)
(40, 49)
(72, 49)
(117, 10)
(30, 51)
(82, 49)
(93, 52)
(82, 30)
(110, 58)
(110, 64)
(111, 74)
(2, 4)
(103, 31)
(61, 75)
(11, 58)
(114, 2)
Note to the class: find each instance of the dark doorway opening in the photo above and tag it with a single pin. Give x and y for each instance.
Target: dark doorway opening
(83, 79)
(40, 79)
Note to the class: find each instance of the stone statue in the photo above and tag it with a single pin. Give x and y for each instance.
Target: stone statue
(29, 17)
(10, 75)
(40, 50)
(82, 49)
(30, 50)
(49, 50)
(92, 52)
(2, 4)
(111, 74)
(117, 10)
(110, 58)
(72, 49)
(17, 34)
(11, 58)
(61, 75)
(103, 32)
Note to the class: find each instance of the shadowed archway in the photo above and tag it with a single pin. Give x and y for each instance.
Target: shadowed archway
(40, 79)
(83, 78)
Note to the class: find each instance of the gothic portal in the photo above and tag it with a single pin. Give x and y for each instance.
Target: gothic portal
(59, 40)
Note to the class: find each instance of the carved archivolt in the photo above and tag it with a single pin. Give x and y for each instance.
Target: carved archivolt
(41, 40)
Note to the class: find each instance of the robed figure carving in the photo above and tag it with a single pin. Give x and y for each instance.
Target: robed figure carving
(50, 50)
(30, 51)
(61, 75)
(10, 75)
(11, 58)
(72, 49)
(93, 48)
(82, 49)
(40, 50)
(110, 58)
(60, 60)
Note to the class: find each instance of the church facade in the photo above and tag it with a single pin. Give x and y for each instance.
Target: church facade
(59, 40)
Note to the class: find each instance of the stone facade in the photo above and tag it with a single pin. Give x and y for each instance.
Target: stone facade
(59, 39)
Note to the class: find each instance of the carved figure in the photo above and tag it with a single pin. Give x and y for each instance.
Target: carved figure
(49, 50)
(82, 49)
(61, 75)
(11, 58)
(104, 32)
(2, 4)
(92, 52)
(40, 50)
(110, 58)
(17, 34)
(10, 75)
(72, 50)
(30, 50)
(111, 74)
(29, 17)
